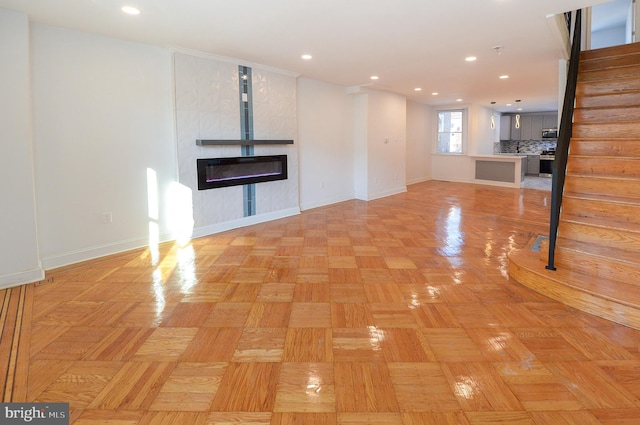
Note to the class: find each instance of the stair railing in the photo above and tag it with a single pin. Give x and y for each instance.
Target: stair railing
(559, 168)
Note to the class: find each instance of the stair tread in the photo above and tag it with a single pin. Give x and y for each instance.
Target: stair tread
(605, 139)
(609, 52)
(604, 253)
(617, 92)
(625, 127)
(637, 121)
(603, 198)
(605, 109)
(612, 290)
(607, 157)
(588, 73)
(601, 222)
(620, 79)
(628, 60)
(607, 66)
(606, 74)
(604, 176)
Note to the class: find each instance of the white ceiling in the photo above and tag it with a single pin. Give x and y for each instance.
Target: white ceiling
(408, 43)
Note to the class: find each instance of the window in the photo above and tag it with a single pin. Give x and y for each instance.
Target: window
(451, 131)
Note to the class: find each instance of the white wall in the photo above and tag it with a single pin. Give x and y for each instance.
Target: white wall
(420, 133)
(609, 37)
(481, 136)
(102, 117)
(360, 107)
(326, 149)
(385, 147)
(19, 258)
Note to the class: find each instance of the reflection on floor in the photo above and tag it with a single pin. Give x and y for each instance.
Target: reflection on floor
(534, 182)
(396, 311)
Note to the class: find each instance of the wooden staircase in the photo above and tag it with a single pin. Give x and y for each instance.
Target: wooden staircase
(598, 247)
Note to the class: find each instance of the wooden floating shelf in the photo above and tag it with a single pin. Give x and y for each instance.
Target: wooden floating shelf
(201, 142)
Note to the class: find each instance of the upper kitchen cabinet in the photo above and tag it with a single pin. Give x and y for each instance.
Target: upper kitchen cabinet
(505, 127)
(530, 128)
(550, 121)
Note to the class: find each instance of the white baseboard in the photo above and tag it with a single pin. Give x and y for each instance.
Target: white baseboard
(324, 203)
(419, 180)
(242, 222)
(384, 194)
(17, 279)
(73, 257)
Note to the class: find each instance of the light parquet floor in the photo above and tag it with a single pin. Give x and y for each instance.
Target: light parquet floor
(393, 311)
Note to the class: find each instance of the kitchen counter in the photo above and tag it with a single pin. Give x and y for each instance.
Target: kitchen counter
(501, 169)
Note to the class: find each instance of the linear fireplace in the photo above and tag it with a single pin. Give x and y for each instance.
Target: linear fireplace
(223, 172)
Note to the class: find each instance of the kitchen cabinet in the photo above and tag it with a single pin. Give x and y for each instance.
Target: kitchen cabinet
(550, 121)
(531, 128)
(533, 164)
(505, 127)
(531, 125)
(526, 123)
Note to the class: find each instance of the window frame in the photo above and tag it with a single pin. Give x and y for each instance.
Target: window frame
(463, 132)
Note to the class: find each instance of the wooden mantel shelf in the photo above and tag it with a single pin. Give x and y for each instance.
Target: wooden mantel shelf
(202, 142)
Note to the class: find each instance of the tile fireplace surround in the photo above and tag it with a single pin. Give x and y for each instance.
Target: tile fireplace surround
(208, 108)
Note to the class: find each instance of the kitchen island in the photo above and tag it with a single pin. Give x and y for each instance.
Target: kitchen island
(500, 170)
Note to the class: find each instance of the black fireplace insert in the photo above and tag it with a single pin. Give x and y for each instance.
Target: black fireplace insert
(224, 172)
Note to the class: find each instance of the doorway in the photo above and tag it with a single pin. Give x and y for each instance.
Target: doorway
(613, 23)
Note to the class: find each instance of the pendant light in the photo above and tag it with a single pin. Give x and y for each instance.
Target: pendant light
(518, 108)
(493, 116)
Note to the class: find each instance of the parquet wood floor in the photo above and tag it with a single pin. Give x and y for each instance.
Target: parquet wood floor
(394, 311)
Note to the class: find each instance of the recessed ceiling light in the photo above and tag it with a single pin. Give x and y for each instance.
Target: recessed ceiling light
(470, 58)
(504, 77)
(508, 104)
(306, 57)
(417, 89)
(130, 10)
(435, 93)
(458, 100)
(374, 77)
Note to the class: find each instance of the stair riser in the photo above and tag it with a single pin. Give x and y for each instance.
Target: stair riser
(607, 237)
(553, 284)
(607, 130)
(621, 167)
(599, 87)
(598, 186)
(586, 209)
(609, 74)
(609, 62)
(593, 266)
(601, 115)
(608, 52)
(628, 148)
(609, 100)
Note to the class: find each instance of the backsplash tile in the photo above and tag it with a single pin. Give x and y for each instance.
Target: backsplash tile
(526, 146)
